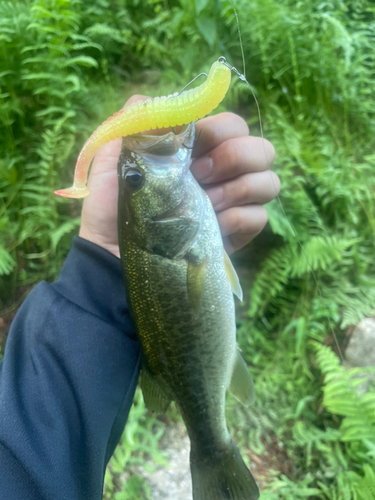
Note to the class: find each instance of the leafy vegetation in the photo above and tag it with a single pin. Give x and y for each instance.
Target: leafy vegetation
(67, 64)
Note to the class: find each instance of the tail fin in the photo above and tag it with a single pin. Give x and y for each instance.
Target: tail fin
(225, 477)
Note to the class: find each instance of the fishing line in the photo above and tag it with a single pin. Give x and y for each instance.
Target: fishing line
(242, 77)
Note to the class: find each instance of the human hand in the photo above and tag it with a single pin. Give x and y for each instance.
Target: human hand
(229, 164)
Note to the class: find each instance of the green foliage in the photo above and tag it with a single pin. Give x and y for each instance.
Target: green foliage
(319, 276)
(344, 397)
(139, 446)
(42, 91)
(66, 65)
(58, 59)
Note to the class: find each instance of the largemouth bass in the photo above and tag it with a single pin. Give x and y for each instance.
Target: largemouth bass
(180, 284)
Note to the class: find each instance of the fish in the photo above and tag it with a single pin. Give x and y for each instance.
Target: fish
(180, 287)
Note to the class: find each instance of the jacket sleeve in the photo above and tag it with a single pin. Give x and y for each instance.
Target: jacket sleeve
(67, 381)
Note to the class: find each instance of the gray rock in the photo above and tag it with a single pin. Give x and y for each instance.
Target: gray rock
(361, 349)
(360, 352)
(172, 482)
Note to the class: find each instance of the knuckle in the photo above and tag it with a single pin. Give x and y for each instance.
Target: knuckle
(244, 189)
(234, 152)
(243, 220)
(239, 153)
(239, 223)
(247, 183)
(229, 153)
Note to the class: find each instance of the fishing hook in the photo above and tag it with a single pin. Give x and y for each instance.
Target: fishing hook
(195, 141)
(192, 81)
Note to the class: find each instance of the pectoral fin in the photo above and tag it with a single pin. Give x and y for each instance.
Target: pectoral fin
(241, 384)
(156, 399)
(196, 275)
(232, 276)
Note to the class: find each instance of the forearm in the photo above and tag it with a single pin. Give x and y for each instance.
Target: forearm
(67, 381)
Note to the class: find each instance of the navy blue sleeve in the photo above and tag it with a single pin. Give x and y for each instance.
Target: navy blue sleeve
(67, 381)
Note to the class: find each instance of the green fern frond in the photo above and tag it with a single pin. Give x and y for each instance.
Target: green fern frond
(341, 397)
(364, 489)
(352, 485)
(63, 229)
(7, 263)
(295, 261)
(81, 61)
(103, 30)
(318, 254)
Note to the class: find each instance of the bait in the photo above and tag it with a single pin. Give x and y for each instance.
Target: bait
(171, 111)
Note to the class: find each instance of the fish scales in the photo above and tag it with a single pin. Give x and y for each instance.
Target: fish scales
(193, 356)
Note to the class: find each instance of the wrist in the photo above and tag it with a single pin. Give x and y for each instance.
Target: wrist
(98, 239)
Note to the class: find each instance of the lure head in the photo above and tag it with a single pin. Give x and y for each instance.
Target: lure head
(223, 76)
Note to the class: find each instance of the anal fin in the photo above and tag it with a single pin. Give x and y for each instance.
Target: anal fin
(156, 400)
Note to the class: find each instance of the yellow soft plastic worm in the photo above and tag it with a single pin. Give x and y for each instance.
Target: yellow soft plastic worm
(161, 112)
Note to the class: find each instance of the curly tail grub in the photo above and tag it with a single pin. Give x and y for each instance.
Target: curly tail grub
(161, 112)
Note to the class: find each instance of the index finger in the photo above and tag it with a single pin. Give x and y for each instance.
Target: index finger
(234, 157)
(217, 129)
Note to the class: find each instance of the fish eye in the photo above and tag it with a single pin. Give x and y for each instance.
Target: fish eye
(134, 178)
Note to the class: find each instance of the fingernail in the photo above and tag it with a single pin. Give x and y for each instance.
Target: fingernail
(216, 195)
(202, 168)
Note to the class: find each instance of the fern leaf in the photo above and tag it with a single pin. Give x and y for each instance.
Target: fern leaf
(82, 61)
(65, 228)
(366, 485)
(341, 397)
(7, 263)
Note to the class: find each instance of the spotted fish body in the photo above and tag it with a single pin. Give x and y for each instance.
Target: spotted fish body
(179, 285)
(160, 112)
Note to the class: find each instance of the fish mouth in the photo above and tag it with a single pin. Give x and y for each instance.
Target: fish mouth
(161, 153)
(161, 145)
